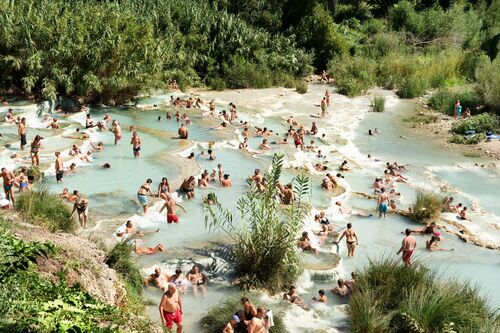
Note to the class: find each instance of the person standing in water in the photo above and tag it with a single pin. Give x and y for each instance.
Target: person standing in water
(117, 131)
(59, 166)
(8, 185)
(171, 309)
(35, 149)
(136, 144)
(383, 203)
(171, 207)
(323, 107)
(258, 323)
(183, 132)
(21, 130)
(407, 247)
(142, 195)
(81, 206)
(351, 240)
(327, 98)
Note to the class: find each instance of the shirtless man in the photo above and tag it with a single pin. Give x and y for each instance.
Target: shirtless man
(407, 247)
(287, 195)
(158, 278)
(136, 144)
(257, 177)
(9, 117)
(351, 240)
(383, 203)
(342, 289)
(198, 281)
(183, 132)
(211, 106)
(314, 128)
(171, 309)
(142, 194)
(433, 244)
(8, 185)
(117, 131)
(54, 124)
(264, 145)
(89, 123)
(293, 297)
(59, 167)
(225, 181)
(304, 243)
(187, 186)
(298, 140)
(323, 107)
(22, 132)
(258, 323)
(171, 206)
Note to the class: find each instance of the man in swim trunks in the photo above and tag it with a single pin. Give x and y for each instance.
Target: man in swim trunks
(22, 132)
(383, 203)
(142, 194)
(407, 247)
(171, 309)
(136, 144)
(158, 278)
(59, 166)
(183, 132)
(171, 207)
(351, 240)
(149, 250)
(323, 107)
(117, 131)
(8, 185)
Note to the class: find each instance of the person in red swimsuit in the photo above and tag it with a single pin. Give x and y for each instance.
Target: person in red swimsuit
(171, 207)
(171, 309)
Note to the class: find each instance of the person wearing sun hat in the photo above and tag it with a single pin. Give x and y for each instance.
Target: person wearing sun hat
(229, 328)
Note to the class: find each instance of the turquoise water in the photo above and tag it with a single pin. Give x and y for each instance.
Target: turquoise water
(112, 192)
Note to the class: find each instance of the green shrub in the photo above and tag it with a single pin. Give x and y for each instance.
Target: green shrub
(45, 209)
(353, 75)
(421, 118)
(467, 139)
(218, 316)
(412, 86)
(488, 83)
(120, 259)
(378, 104)
(265, 251)
(482, 123)
(390, 297)
(444, 100)
(244, 74)
(218, 84)
(301, 87)
(426, 207)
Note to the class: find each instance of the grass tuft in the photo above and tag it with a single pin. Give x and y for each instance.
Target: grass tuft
(378, 104)
(426, 207)
(45, 209)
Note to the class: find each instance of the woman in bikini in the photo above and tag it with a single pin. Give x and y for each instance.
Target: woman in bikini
(351, 240)
(23, 180)
(142, 195)
(81, 207)
(198, 281)
(35, 149)
(433, 244)
(163, 188)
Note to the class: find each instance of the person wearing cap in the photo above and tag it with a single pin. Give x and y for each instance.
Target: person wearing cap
(229, 328)
(81, 207)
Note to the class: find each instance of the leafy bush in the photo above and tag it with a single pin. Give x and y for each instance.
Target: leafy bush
(301, 87)
(378, 104)
(218, 316)
(244, 74)
(18, 255)
(444, 100)
(426, 207)
(467, 139)
(45, 209)
(353, 75)
(488, 83)
(393, 298)
(218, 84)
(265, 253)
(482, 123)
(412, 86)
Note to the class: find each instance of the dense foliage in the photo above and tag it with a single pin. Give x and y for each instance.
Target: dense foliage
(444, 100)
(390, 297)
(218, 316)
(109, 50)
(45, 209)
(482, 123)
(378, 104)
(265, 235)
